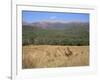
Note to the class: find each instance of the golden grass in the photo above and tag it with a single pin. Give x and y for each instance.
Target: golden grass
(46, 56)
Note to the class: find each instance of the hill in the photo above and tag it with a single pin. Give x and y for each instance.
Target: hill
(55, 33)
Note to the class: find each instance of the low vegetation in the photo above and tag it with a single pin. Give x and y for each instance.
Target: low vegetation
(67, 35)
(57, 45)
(47, 56)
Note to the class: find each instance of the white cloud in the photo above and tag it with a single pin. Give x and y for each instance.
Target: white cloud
(53, 17)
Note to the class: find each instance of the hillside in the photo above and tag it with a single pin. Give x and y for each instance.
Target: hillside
(56, 33)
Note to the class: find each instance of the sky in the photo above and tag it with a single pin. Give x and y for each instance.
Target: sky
(36, 16)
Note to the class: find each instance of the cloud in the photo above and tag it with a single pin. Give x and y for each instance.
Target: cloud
(53, 17)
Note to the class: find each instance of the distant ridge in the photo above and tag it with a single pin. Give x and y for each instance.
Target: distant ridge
(56, 24)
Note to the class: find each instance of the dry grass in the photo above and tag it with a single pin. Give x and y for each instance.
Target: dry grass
(46, 56)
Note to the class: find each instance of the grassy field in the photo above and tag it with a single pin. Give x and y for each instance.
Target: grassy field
(73, 34)
(56, 45)
(47, 56)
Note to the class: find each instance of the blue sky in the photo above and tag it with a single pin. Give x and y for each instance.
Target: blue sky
(35, 16)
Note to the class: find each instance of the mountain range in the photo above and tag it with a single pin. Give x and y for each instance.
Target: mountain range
(57, 24)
